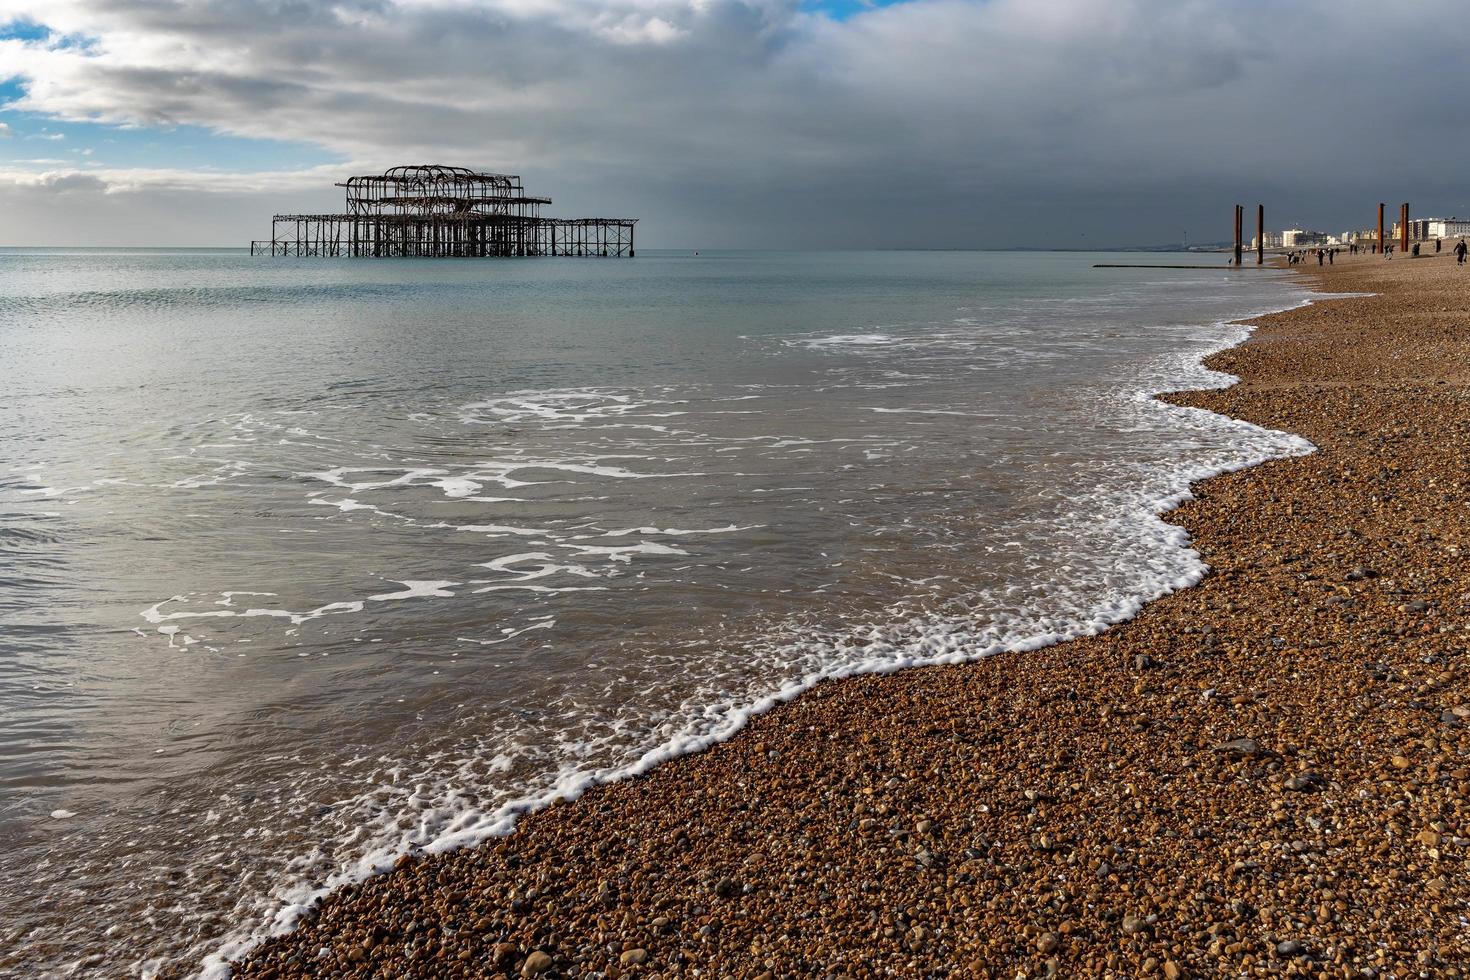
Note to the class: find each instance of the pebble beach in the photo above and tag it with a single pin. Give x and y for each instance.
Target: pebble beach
(1266, 774)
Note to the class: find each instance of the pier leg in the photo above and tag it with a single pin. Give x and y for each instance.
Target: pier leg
(1239, 222)
(1379, 247)
(1404, 228)
(1260, 234)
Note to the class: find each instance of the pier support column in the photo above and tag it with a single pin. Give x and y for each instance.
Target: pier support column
(1379, 247)
(1260, 234)
(1404, 228)
(1239, 222)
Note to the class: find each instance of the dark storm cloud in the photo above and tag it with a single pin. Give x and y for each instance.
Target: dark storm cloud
(934, 122)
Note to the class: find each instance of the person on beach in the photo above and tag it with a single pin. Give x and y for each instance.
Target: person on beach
(1319, 256)
(1330, 253)
(1460, 252)
(1436, 246)
(1416, 250)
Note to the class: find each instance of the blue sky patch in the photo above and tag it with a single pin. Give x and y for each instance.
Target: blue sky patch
(843, 9)
(182, 147)
(35, 137)
(24, 30)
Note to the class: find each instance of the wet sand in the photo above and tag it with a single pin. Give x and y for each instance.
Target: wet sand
(1265, 774)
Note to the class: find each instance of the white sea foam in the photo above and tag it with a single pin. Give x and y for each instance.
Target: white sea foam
(417, 590)
(926, 411)
(681, 532)
(624, 553)
(847, 340)
(508, 634)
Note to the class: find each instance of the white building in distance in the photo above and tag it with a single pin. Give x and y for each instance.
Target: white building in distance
(1300, 238)
(1447, 228)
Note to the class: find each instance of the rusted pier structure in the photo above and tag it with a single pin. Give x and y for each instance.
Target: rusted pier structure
(429, 211)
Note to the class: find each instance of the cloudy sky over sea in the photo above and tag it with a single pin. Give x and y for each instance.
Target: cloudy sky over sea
(944, 123)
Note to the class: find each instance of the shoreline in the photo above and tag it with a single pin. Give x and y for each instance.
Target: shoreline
(505, 820)
(946, 877)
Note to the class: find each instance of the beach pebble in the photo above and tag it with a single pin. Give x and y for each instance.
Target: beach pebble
(1239, 747)
(1134, 925)
(536, 964)
(1303, 782)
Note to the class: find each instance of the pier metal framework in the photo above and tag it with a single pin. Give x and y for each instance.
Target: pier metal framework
(441, 212)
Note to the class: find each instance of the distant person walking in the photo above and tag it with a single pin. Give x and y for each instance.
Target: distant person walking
(1319, 256)
(1436, 246)
(1460, 251)
(1416, 250)
(1330, 253)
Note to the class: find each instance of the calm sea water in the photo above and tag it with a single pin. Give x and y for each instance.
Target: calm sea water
(307, 563)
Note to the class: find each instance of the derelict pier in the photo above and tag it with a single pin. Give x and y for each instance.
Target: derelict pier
(429, 211)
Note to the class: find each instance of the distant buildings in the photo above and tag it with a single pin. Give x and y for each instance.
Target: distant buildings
(1426, 229)
(1300, 238)
(1420, 229)
(1443, 228)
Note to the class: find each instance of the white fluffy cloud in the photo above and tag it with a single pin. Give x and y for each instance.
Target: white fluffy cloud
(927, 122)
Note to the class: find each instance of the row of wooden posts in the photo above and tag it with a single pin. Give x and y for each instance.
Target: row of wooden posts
(1261, 230)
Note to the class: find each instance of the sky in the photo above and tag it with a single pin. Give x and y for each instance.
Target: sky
(740, 123)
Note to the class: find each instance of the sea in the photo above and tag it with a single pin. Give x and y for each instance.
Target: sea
(309, 563)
